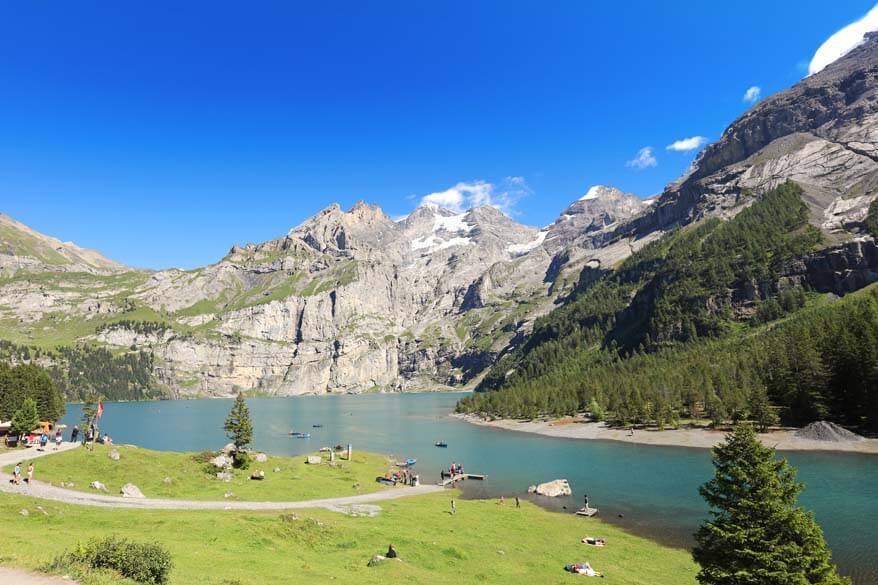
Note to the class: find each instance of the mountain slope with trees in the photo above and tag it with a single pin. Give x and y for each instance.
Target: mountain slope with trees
(697, 324)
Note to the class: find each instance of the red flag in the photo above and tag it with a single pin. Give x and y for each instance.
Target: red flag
(100, 409)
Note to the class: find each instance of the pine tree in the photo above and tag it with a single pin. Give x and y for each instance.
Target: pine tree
(757, 535)
(761, 410)
(25, 418)
(239, 427)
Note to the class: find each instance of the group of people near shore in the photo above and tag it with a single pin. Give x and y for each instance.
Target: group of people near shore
(91, 435)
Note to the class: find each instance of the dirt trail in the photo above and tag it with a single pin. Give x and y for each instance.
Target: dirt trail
(16, 577)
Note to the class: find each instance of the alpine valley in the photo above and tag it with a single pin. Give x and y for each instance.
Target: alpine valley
(354, 301)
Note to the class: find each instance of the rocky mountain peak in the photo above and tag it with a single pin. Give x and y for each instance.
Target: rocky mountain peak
(601, 207)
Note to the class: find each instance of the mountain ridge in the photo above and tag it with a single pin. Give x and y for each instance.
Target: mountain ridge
(354, 301)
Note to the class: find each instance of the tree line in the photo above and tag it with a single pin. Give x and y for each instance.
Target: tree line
(29, 383)
(81, 370)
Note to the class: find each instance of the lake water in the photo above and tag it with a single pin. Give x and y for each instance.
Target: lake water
(654, 488)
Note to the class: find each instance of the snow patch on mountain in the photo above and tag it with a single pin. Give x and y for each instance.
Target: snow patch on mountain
(592, 193)
(455, 224)
(433, 243)
(522, 249)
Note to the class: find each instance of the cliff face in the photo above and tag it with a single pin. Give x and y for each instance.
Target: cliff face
(347, 301)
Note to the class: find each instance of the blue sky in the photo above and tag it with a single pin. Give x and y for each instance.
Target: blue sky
(162, 133)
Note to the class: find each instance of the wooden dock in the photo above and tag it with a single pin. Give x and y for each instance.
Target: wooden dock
(588, 512)
(446, 480)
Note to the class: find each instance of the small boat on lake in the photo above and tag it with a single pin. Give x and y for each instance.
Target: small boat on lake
(441, 444)
(410, 462)
(317, 426)
(299, 435)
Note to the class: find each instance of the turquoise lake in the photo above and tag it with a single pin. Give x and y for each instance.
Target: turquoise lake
(655, 489)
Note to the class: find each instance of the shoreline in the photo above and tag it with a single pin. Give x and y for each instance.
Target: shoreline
(696, 437)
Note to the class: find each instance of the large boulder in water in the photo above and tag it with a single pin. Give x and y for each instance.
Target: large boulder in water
(826, 431)
(552, 489)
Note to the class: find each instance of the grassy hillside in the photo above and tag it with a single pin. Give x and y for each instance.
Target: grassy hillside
(483, 543)
(19, 243)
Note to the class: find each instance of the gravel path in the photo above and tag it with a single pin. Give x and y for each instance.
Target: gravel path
(16, 577)
(49, 492)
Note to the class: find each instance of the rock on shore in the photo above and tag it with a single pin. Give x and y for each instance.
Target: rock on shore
(551, 489)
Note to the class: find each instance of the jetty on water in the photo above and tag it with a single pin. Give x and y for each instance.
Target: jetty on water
(448, 479)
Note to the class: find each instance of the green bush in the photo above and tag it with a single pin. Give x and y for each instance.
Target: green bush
(203, 456)
(143, 562)
(242, 459)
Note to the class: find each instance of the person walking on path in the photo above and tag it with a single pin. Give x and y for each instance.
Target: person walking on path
(453, 508)
(16, 474)
(30, 473)
(58, 439)
(74, 433)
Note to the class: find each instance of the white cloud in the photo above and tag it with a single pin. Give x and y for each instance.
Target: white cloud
(752, 95)
(644, 159)
(687, 144)
(843, 41)
(465, 195)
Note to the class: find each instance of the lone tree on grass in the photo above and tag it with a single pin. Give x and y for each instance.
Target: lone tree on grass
(757, 535)
(25, 419)
(238, 425)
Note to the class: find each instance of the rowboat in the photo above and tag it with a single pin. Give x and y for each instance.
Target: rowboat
(442, 444)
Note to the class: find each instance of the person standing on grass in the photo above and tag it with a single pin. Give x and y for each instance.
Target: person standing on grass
(517, 502)
(74, 433)
(453, 508)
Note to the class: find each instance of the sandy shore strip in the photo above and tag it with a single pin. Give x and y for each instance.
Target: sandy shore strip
(579, 428)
